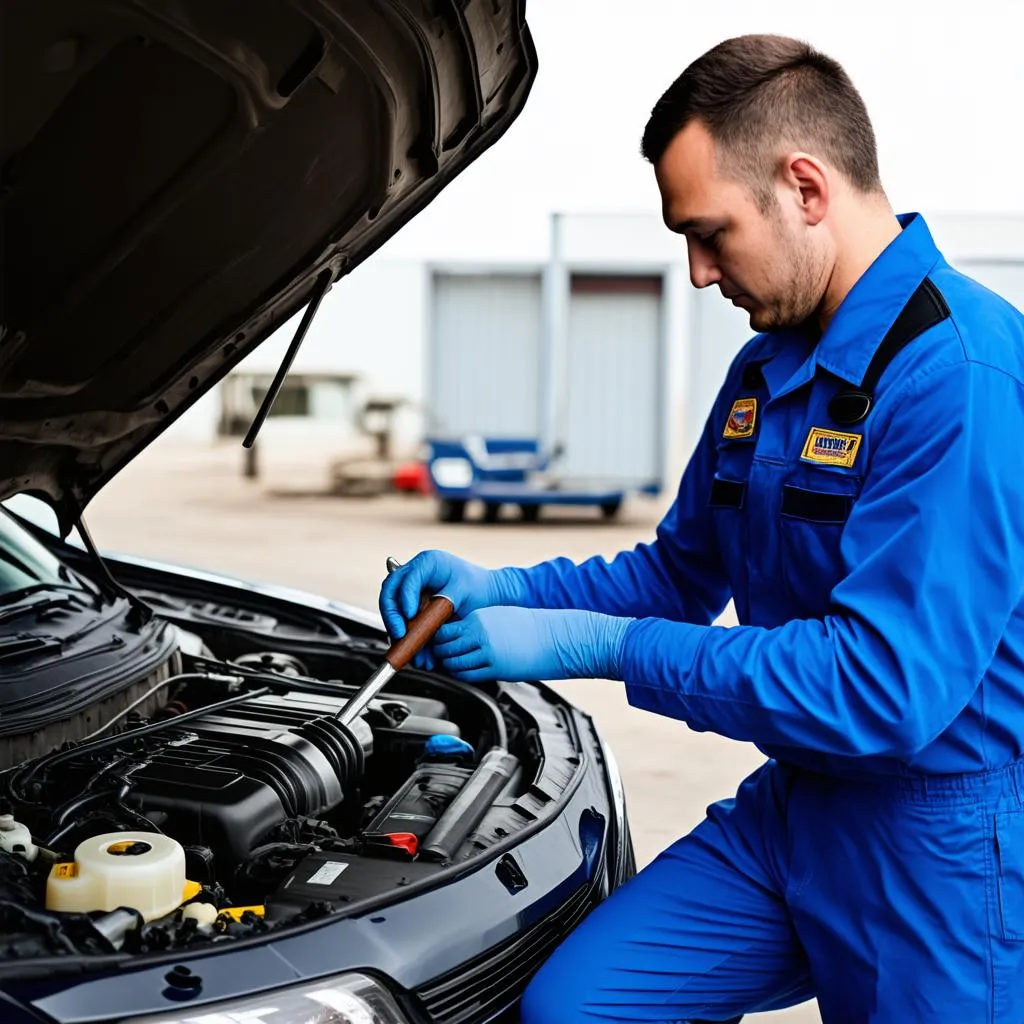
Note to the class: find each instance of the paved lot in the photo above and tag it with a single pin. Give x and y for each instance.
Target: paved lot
(192, 506)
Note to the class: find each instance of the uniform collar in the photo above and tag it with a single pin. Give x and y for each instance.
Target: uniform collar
(865, 315)
(876, 300)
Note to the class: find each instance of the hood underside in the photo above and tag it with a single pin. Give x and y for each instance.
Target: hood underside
(176, 174)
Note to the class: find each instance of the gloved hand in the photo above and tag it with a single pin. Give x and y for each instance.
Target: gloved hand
(526, 643)
(466, 585)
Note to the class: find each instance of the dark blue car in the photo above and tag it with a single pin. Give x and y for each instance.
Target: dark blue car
(188, 832)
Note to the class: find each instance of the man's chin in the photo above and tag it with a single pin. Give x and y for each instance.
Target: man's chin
(764, 320)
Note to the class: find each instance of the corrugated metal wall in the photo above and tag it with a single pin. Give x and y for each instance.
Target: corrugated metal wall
(613, 401)
(484, 375)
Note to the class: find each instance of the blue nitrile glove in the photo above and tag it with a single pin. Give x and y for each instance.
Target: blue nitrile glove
(528, 643)
(466, 585)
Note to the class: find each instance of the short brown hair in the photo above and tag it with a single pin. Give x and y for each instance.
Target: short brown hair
(754, 91)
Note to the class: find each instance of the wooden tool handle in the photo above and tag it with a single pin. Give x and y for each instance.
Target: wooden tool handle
(421, 631)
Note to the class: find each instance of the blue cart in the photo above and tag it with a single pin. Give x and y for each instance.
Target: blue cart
(513, 471)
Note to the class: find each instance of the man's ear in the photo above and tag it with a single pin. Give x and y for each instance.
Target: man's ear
(806, 179)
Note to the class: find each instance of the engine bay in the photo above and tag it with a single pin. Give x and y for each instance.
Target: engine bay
(219, 797)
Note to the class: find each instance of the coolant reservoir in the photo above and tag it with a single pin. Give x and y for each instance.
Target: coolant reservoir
(141, 870)
(16, 838)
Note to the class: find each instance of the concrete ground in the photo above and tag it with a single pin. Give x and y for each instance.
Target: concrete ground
(191, 505)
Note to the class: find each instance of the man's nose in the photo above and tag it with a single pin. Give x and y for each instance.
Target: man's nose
(703, 269)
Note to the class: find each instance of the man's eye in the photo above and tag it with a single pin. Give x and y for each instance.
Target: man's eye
(712, 240)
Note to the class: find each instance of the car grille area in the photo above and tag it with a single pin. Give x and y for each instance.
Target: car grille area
(484, 987)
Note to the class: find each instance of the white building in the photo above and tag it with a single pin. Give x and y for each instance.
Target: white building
(600, 345)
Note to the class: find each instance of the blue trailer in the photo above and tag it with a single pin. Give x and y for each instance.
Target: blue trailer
(514, 471)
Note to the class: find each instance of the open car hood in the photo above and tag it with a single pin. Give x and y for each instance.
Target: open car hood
(175, 176)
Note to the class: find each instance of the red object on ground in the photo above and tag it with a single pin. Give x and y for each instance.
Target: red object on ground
(412, 478)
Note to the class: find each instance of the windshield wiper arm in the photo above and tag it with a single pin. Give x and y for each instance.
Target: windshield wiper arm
(12, 559)
(15, 597)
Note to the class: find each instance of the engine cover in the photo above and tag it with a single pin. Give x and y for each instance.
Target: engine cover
(237, 773)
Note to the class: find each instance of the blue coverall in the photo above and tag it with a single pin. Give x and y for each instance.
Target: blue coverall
(877, 859)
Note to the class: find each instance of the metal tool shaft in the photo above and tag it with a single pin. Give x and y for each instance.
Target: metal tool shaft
(434, 614)
(357, 704)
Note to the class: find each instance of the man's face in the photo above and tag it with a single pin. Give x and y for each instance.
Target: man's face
(767, 264)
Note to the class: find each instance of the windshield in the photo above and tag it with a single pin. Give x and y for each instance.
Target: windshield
(25, 563)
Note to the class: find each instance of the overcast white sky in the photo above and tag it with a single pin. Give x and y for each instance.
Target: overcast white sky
(944, 85)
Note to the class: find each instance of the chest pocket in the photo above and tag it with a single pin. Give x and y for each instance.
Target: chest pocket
(727, 501)
(732, 475)
(814, 506)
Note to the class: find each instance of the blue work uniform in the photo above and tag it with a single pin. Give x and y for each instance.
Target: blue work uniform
(871, 535)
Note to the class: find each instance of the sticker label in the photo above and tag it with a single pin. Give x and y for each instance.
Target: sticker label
(831, 447)
(65, 870)
(742, 418)
(327, 873)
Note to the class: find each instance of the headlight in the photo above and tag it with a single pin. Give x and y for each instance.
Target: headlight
(347, 999)
(451, 472)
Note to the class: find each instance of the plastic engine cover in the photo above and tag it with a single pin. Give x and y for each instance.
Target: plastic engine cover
(247, 769)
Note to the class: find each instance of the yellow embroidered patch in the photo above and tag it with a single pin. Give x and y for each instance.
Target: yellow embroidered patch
(831, 447)
(742, 418)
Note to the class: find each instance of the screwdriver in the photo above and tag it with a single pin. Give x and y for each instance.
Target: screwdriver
(431, 616)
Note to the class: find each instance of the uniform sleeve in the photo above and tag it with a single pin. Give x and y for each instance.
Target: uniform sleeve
(678, 576)
(936, 546)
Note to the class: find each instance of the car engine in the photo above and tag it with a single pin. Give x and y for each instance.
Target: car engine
(218, 795)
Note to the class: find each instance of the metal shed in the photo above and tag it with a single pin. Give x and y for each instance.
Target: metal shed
(484, 353)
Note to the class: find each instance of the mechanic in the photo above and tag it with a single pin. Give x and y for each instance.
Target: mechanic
(859, 493)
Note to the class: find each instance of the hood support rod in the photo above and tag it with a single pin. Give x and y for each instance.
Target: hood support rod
(320, 289)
